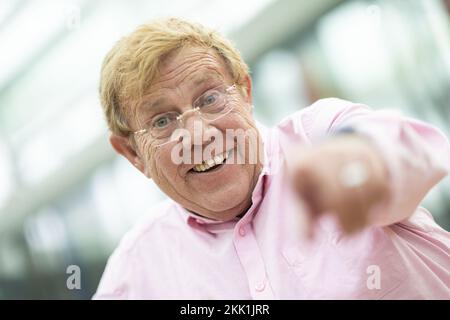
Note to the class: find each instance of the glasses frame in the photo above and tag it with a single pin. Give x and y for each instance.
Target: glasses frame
(183, 115)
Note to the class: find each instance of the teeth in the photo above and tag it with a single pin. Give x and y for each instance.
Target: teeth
(218, 159)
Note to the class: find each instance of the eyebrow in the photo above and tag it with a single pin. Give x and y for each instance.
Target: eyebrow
(155, 104)
(206, 77)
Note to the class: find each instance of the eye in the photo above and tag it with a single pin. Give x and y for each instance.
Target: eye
(161, 122)
(209, 99)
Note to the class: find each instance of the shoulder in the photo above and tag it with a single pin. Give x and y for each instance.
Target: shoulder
(320, 118)
(327, 108)
(119, 277)
(157, 218)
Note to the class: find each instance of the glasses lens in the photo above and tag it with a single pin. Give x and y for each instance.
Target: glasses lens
(219, 113)
(211, 105)
(215, 103)
(162, 126)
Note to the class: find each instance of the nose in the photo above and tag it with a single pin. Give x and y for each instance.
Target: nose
(201, 135)
(201, 130)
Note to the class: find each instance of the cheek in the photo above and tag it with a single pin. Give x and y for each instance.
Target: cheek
(239, 118)
(149, 155)
(161, 167)
(242, 121)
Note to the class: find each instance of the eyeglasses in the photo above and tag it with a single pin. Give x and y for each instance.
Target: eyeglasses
(210, 106)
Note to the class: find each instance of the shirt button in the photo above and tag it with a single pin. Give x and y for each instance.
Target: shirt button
(242, 231)
(260, 286)
(336, 240)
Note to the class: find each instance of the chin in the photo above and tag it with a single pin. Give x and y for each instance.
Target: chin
(229, 204)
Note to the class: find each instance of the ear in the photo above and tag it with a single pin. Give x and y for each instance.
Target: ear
(248, 89)
(123, 146)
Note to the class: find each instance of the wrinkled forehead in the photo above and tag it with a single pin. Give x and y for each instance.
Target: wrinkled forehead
(187, 68)
(187, 59)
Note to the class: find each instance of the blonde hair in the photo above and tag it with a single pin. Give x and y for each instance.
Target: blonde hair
(132, 64)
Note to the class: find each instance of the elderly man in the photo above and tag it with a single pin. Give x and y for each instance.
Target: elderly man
(323, 205)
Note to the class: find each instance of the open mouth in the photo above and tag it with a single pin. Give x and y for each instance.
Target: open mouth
(211, 164)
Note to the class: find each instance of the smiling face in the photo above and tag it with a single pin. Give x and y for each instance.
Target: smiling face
(219, 192)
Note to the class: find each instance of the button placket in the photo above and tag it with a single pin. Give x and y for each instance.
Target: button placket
(250, 256)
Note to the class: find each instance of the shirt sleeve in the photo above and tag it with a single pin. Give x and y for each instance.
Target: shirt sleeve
(416, 154)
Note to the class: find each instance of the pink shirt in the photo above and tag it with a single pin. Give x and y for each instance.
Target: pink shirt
(173, 254)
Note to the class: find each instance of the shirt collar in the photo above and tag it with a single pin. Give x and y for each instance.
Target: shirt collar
(199, 222)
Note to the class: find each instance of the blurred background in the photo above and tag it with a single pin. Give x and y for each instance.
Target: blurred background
(66, 198)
